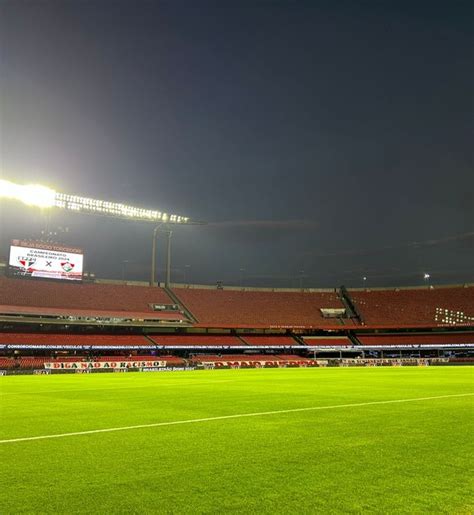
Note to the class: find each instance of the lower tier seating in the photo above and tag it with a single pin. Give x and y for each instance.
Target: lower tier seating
(269, 340)
(332, 341)
(416, 339)
(196, 340)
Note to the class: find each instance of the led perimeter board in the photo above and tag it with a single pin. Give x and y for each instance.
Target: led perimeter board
(47, 260)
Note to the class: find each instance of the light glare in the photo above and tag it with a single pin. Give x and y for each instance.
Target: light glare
(40, 196)
(31, 194)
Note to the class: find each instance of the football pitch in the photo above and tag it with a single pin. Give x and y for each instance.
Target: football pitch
(336, 440)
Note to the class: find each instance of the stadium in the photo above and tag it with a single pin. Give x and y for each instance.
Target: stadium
(294, 376)
(236, 257)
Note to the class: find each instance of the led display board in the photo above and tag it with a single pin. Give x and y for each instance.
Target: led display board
(47, 260)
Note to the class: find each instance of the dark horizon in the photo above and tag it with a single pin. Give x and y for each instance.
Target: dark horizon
(323, 143)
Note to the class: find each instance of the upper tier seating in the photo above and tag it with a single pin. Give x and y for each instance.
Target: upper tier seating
(416, 339)
(428, 307)
(235, 308)
(71, 339)
(115, 298)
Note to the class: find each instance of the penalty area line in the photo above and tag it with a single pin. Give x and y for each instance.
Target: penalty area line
(228, 417)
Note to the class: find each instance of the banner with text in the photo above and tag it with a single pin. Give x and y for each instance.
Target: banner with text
(87, 365)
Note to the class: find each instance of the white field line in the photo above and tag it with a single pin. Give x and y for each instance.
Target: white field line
(227, 417)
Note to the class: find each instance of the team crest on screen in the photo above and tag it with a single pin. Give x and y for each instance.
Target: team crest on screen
(67, 266)
(26, 262)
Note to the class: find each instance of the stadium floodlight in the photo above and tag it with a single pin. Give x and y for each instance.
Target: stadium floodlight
(43, 197)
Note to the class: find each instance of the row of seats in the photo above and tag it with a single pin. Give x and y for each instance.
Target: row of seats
(233, 308)
(24, 362)
(269, 340)
(203, 358)
(239, 308)
(196, 340)
(71, 339)
(102, 297)
(416, 339)
(205, 340)
(429, 307)
(331, 341)
(38, 362)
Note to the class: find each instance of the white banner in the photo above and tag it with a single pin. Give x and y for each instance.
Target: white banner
(88, 365)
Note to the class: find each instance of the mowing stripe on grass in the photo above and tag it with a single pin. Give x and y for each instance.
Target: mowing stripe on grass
(227, 417)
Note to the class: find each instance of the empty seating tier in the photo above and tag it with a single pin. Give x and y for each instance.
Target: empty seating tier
(209, 358)
(25, 362)
(269, 340)
(416, 307)
(196, 340)
(54, 296)
(72, 339)
(235, 308)
(416, 339)
(326, 341)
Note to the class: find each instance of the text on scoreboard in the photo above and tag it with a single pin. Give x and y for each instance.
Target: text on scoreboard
(38, 259)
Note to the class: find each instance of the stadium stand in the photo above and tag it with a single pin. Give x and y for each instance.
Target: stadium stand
(33, 362)
(7, 362)
(416, 307)
(58, 297)
(71, 339)
(269, 340)
(27, 362)
(416, 339)
(235, 308)
(327, 340)
(246, 319)
(203, 358)
(196, 340)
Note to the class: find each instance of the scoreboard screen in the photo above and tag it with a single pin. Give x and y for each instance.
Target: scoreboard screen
(38, 259)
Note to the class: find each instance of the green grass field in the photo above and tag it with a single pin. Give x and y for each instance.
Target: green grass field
(403, 457)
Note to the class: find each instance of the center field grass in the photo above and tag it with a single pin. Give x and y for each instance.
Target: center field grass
(404, 457)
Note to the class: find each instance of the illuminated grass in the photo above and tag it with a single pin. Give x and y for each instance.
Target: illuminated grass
(403, 457)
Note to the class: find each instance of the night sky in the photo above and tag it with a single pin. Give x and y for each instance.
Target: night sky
(322, 141)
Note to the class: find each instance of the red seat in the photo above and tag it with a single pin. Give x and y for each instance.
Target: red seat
(236, 308)
(412, 307)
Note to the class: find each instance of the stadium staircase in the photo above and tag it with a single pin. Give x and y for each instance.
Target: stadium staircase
(242, 340)
(298, 339)
(351, 310)
(152, 342)
(353, 338)
(180, 303)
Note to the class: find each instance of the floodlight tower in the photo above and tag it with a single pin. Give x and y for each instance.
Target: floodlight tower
(44, 197)
(168, 233)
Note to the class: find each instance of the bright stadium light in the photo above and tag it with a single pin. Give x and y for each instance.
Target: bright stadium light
(41, 196)
(31, 194)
